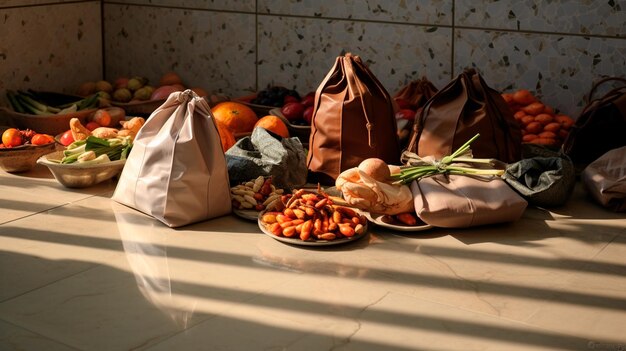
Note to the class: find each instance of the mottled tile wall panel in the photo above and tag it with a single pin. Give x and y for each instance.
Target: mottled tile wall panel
(16, 3)
(411, 11)
(560, 69)
(300, 51)
(213, 50)
(560, 16)
(230, 5)
(50, 47)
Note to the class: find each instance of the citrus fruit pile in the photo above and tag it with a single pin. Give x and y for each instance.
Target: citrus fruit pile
(235, 119)
(540, 123)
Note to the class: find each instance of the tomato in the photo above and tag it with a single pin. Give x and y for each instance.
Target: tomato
(66, 138)
(41, 139)
(405, 113)
(12, 137)
(92, 125)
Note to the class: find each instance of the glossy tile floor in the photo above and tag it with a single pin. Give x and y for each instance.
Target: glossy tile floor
(80, 272)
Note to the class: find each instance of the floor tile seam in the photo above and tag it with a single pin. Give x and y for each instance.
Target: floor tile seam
(54, 207)
(40, 335)
(93, 266)
(223, 313)
(579, 335)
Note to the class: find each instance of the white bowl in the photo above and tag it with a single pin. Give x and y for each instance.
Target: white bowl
(79, 175)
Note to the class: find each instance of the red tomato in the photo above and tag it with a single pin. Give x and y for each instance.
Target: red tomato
(66, 138)
(92, 125)
(41, 139)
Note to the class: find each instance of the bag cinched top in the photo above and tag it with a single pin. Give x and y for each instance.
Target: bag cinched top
(600, 127)
(353, 120)
(176, 171)
(465, 107)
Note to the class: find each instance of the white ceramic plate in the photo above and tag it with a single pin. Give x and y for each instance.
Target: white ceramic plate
(297, 241)
(250, 215)
(378, 220)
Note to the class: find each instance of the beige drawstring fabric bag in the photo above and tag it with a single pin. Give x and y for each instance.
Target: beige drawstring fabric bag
(176, 171)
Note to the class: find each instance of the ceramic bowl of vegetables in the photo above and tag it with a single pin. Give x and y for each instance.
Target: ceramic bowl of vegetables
(88, 162)
(20, 149)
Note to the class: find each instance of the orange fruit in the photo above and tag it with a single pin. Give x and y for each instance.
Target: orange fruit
(236, 116)
(12, 137)
(226, 136)
(273, 124)
(170, 78)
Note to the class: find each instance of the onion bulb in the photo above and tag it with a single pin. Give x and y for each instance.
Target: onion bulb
(375, 168)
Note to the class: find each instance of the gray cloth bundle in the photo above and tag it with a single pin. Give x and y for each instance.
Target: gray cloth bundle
(267, 154)
(543, 177)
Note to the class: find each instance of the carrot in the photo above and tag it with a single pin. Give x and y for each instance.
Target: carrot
(523, 97)
(507, 97)
(552, 127)
(544, 118)
(519, 114)
(563, 119)
(563, 133)
(547, 135)
(534, 127)
(544, 141)
(534, 109)
(407, 219)
(527, 119)
(529, 137)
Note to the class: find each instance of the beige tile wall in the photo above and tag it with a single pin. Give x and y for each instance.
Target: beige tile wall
(554, 48)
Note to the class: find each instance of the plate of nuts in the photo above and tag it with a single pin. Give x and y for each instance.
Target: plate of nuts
(252, 197)
(307, 217)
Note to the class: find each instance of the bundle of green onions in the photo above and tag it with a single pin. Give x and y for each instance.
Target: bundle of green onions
(420, 167)
(97, 150)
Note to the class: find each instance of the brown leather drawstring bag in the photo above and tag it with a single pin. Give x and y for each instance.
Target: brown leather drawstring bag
(600, 127)
(465, 107)
(353, 120)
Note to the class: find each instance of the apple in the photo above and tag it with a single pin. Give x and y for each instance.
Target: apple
(405, 114)
(308, 99)
(307, 115)
(293, 111)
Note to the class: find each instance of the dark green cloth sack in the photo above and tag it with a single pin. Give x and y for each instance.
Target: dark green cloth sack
(546, 180)
(267, 154)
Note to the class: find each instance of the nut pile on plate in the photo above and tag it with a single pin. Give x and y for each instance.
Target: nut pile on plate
(258, 195)
(312, 216)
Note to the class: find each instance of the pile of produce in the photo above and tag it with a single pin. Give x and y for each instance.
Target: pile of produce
(137, 88)
(78, 131)
(258, 194)
(541, 124)
(31, 102)
(310, 216)
(297, 110)
(14, 137)
(94, 150)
